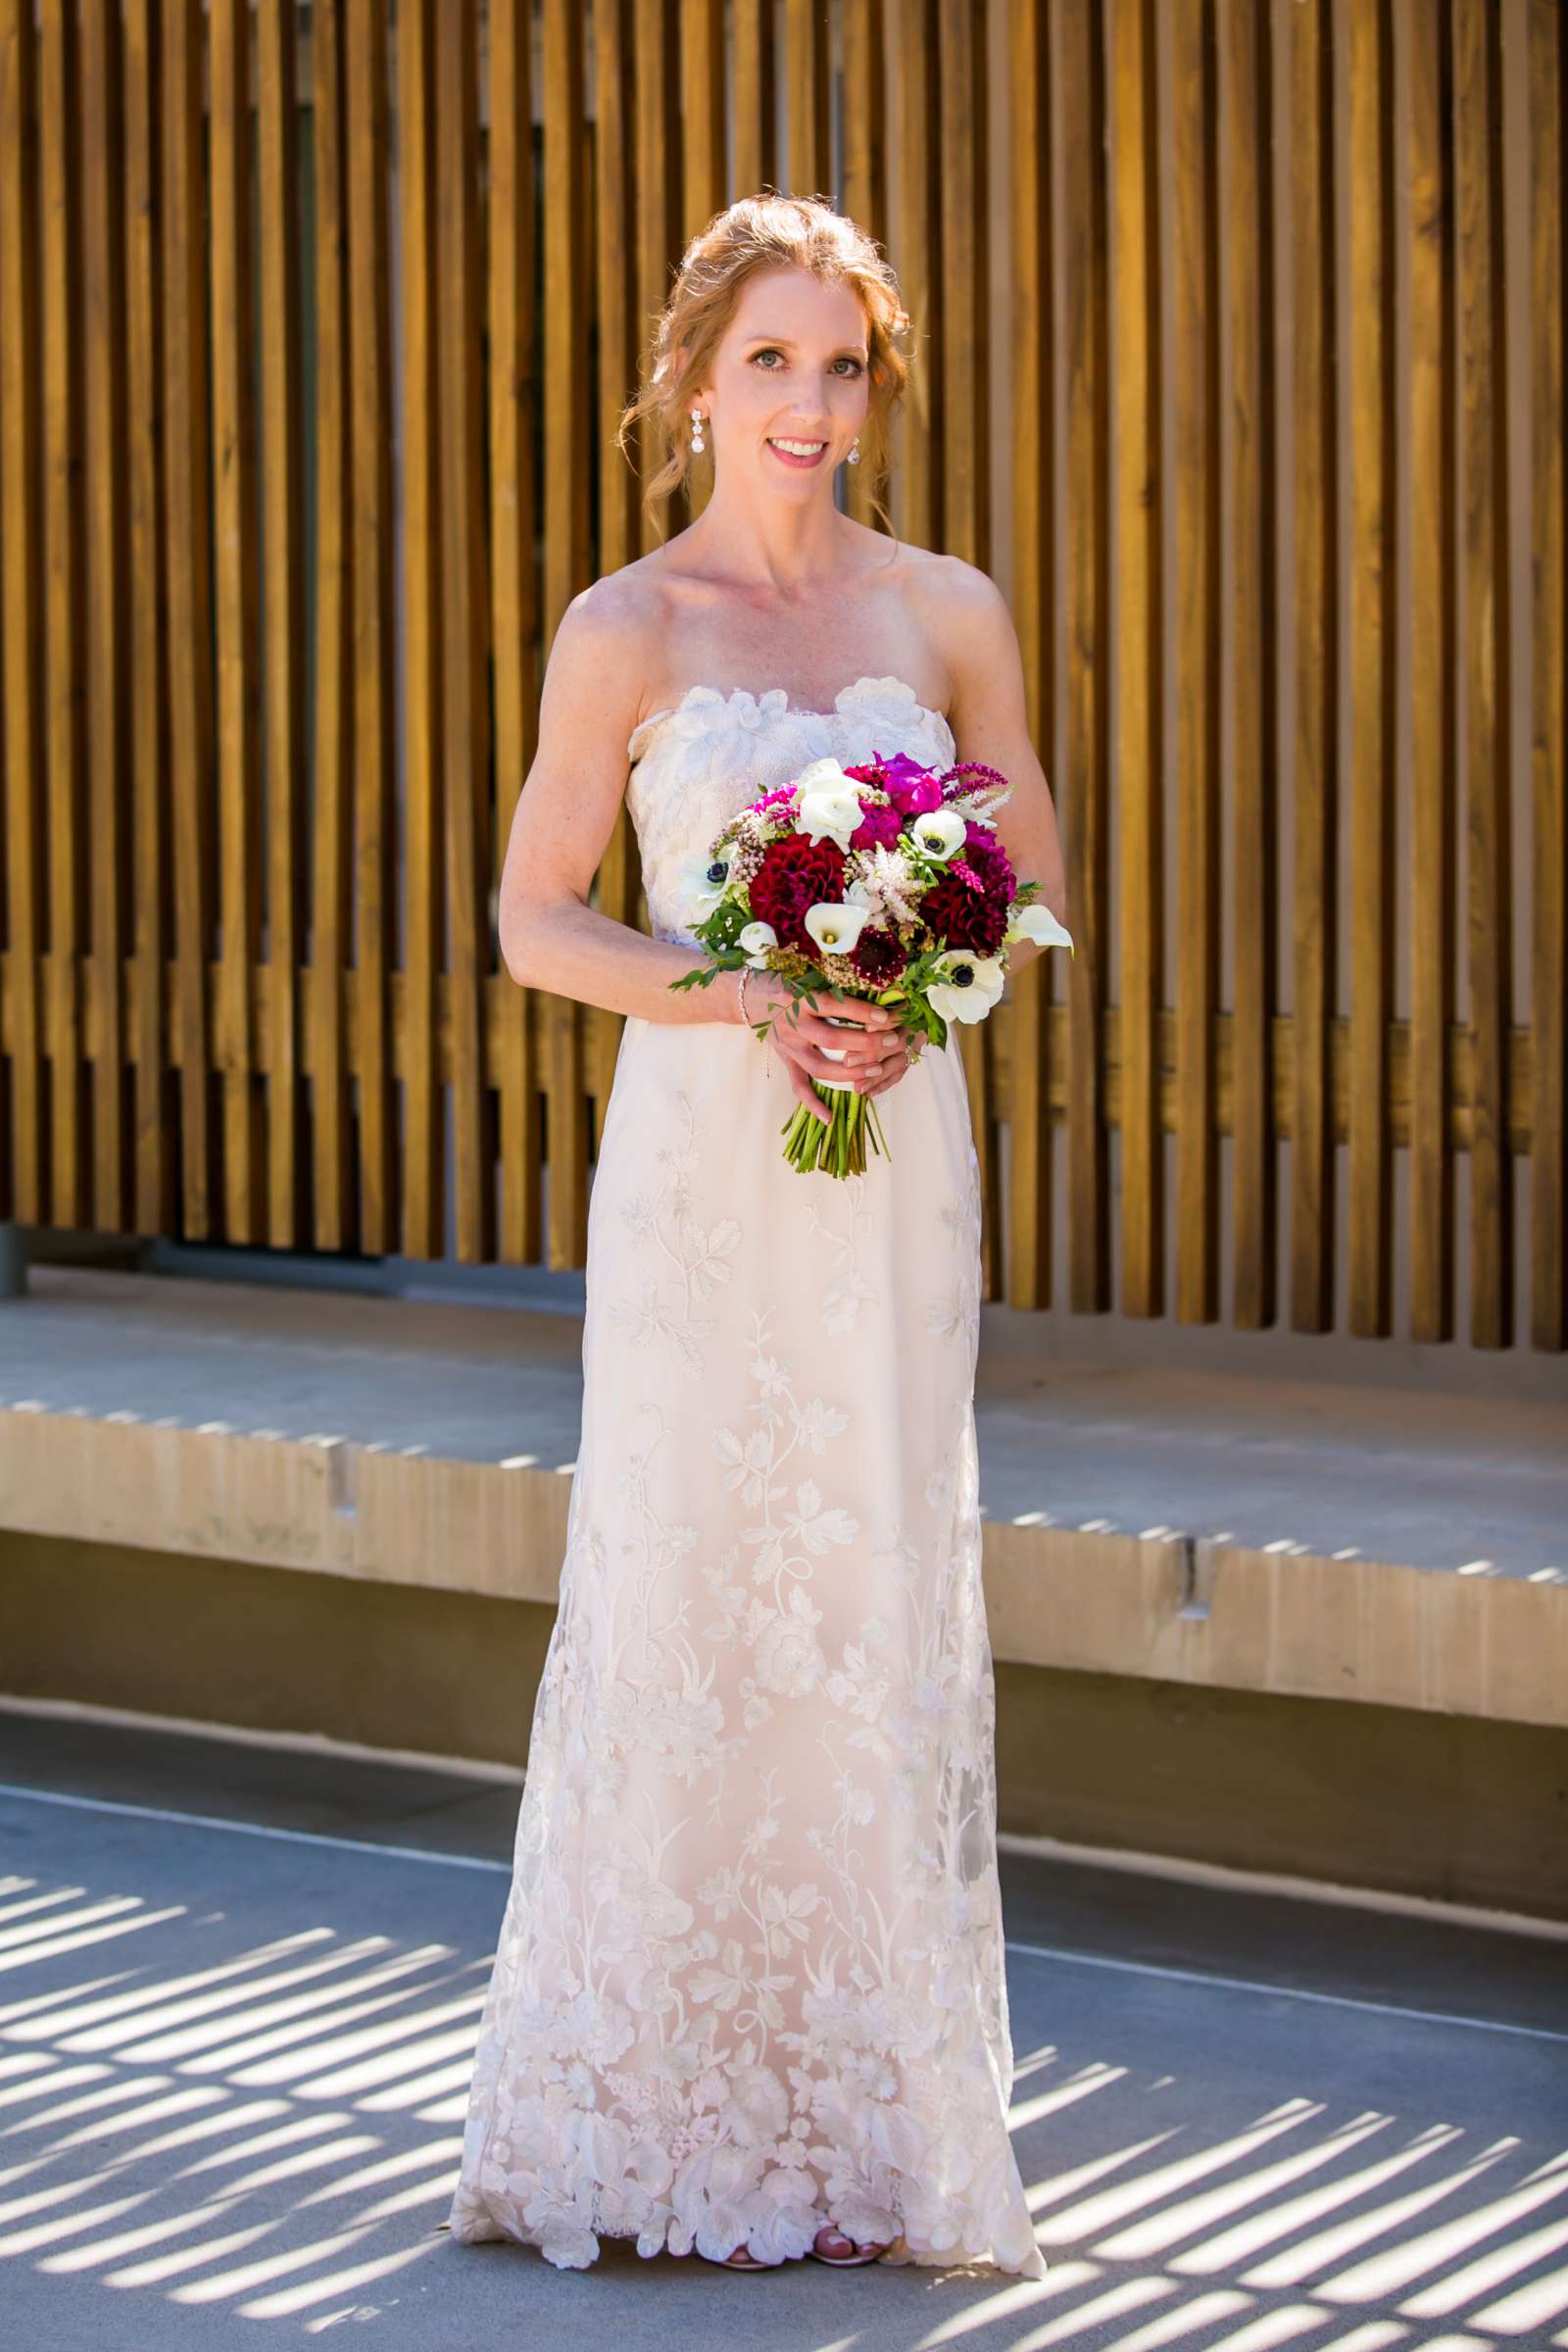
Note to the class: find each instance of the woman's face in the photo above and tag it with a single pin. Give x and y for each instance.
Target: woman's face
(791, 366)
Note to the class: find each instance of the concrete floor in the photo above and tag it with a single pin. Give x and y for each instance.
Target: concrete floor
(238, 1990)
(1416, 1476)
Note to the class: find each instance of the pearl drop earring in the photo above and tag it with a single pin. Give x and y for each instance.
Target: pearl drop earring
(698, 443)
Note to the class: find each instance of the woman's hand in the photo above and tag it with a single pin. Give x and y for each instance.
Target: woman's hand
(876, 1056)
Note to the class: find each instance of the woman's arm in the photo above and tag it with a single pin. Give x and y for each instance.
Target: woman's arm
(550, 937)
(970, 618)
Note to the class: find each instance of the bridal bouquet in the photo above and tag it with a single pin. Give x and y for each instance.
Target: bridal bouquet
(885, 882)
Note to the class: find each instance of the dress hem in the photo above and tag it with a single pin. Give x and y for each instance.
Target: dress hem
(483, 2229)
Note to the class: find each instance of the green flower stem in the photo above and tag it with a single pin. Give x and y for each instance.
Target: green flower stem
(836, 1144)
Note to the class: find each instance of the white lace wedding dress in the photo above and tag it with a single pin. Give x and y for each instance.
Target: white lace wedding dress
(749, 1973)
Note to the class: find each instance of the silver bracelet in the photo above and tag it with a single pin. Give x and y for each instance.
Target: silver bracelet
(746, 973)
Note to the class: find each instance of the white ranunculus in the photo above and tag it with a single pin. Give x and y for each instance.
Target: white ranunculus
(835, 812)
(971, 997)
(1037, 923)
(824, 775)
(938, 832)
(702, 882)
(835, 925)
(756, 938)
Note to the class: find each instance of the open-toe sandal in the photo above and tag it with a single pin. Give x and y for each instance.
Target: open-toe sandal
(851, 2261)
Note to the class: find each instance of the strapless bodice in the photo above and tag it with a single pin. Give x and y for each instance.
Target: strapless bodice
(696, 764)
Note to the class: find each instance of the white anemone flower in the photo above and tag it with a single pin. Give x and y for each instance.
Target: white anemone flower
(702, 882)
(968, 987)
(1039, 924)
(757, 938)
(835, 925)
(938, 832)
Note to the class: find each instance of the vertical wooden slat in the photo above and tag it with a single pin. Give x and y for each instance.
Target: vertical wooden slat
(655, 157)
(1188, 603)
(701, 112)
(1036, 608)
(465, 608)
(1311, 642)
(615, 307)
(917, 248)
(617, 890)
(284, 656)
(333, 1219)
(1243, 389)
(514, 390)
(1140, 480)
(559, 1025)
(370, 431)
(423, 1155)
(863, 195)
(699, 63)
(807, 160)
(1549, 625)
(1424, 361)
(1361, 598)
(1514, 489)
(191, 698)
(107, 584)
(1085, 567)
(236, 551)
(65, 655)
(967, 459)
(23, 1115)
(148, 752)
(1482, 606)
(756, 145)
(568, 566)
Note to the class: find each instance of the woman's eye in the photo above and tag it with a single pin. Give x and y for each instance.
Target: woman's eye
(772, 352)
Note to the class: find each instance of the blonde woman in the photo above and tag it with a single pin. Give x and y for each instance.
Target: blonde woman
(748, 1997)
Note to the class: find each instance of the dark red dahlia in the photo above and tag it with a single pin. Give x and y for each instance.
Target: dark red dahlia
(795, 873)
(965, 917)
(878, 956)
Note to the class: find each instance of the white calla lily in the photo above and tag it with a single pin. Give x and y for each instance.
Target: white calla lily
(756, 938)
(968, 987)
(940, 832)
(835, 926)
(1039, 924)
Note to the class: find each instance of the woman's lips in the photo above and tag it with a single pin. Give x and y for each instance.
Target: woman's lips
(788, 457)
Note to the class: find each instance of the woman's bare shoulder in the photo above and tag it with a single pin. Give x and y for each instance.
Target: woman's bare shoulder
(618, 621)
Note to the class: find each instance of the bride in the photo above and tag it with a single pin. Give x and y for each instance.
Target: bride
(748, 1997)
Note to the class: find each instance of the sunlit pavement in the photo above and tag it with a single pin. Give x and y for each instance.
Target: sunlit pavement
(233, 2062)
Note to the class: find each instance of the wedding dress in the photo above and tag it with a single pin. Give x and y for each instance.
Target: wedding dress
(749, 1973)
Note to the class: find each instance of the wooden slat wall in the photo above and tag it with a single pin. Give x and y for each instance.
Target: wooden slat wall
(1270, 296)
